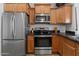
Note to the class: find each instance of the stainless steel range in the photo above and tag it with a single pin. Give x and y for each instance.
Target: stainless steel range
(43, 41)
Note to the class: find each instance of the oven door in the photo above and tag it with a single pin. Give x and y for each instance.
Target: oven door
(43, 42)
(43, 46)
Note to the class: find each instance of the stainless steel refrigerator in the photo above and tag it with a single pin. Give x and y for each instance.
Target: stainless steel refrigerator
(14, 29)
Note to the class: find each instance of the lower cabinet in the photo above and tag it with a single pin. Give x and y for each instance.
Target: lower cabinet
(55, 43)
(60, 49)
(64, 46)
(30, 44)
(77, 49)
(68, 50)
(69, 47)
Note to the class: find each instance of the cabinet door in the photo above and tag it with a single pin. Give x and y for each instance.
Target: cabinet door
(21, 7)
(68, 50)
(55, 43)
(77, 52)
(60, 49)
(46, 9)
(30, 43)
(57, 15)
(68, 13)
(42, 9)
(16, 7)
(77, 49)
(32, 16)
(60, 15)
(9, 7)
(53, 17)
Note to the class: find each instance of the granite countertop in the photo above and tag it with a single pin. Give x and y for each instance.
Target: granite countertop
(74, 38)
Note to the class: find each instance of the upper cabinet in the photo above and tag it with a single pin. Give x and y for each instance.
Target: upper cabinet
(16, 7)
(32, 15)
(61, 15)
(42, 8)
(68, 13)
(53, 16)
(9, 7)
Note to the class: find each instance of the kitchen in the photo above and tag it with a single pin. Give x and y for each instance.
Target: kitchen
(40, 29)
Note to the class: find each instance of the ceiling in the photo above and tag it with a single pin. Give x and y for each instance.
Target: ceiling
(53, 5)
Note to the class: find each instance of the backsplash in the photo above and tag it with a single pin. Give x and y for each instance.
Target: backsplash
(62, 28)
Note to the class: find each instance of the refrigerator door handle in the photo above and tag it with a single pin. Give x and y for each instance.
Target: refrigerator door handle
(11, 23)
(13, 26)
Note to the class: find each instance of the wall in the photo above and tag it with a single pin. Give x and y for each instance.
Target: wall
(1, 10)
(72, 27)
(77, 6)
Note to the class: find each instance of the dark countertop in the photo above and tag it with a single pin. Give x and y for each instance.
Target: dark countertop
(74, 38)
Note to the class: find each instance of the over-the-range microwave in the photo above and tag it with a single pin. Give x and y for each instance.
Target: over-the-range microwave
(42, 18)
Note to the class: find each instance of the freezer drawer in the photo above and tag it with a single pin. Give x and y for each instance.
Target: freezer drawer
(13, 48)
(43, 51)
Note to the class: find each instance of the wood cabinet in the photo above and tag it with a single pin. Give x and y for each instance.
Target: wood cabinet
(32, 15)
(55, 43)
(30, 44)
(77, 49)
(57, 16)
(16, 7)
(64, 46)
(64, 14)
(53, 17)
(68, 47)
(60, 48)
(21, 7)
(61, 15)
(42, 8)
(68, 50)
(9, 7)
(68, 13)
